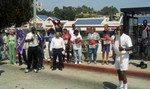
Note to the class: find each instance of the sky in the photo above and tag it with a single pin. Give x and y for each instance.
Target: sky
(49, 5)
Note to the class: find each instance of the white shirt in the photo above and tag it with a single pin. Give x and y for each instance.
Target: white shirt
(76, 46)
(33, 43)
(125, 42)
(144, 33)
(71, 32)
(57, 43)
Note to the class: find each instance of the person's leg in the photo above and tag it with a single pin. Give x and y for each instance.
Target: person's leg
(0, 55)
(14, 54)
(7, 53)
(75, 56)
(90, 55)
(35, 57)
(54, 59)
(19, 57)
(107, 53)
(4, 51)
(123, 73)
(60, 60)
(120, 78)
(103, 53)
(44, 50)
(10, 53)
(95, 53)
(80, 55)
(24, 56)
(49, 50)
(29, 61)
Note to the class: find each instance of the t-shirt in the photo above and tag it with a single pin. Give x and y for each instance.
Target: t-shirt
(57, 27)
(125, 42)
(76, 42)
(33, 43)
(42, 40)
(66, 37)
(95, 35)
(51, 36)
(106, 35)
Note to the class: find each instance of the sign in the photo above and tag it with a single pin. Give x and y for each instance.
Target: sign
(20, 40)
(34, 20)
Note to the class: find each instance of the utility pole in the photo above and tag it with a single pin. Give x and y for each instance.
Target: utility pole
(34, 12)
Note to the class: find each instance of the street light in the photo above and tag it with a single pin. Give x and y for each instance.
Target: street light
(34, 12)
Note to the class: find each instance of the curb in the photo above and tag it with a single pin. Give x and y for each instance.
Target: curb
(105, 69)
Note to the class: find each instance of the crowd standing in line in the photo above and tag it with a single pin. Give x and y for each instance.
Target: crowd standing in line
(61, 43)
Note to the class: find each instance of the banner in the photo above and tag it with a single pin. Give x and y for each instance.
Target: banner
(20, 40)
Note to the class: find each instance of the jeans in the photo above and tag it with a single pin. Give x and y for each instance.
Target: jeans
(94, 52)
(3, 57)
(24, 56)
(78, 53)
(41, 56)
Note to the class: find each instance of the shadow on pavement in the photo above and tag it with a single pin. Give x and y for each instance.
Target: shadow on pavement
(1, 71)
(22, 69)
(134, 64)
(3, 63)
(108, 85)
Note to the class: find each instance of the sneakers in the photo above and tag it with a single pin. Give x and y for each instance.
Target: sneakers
(119, 87)
(27, 70)
(144, 66)
(35, 70)
(80, 63)
(75, 62)
(142, 63)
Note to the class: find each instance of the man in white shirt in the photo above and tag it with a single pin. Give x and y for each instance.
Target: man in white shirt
(123, 47)
(33, 40)
(58, 46)
(77, 46)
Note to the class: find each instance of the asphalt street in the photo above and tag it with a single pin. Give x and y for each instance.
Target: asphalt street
(13, 77)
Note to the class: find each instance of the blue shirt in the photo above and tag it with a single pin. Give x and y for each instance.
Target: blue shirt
(51, 36)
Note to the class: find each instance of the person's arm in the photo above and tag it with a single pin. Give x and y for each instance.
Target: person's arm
(15, 40)
(28, 39)
(129, 45)
(44, 42)
(148, 38)
(63, 44)
(51, 46)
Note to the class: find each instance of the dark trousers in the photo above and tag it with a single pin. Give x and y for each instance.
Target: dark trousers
(24, 56)
(68, 54)
(40, 56)
(32, 57)
(57, 53)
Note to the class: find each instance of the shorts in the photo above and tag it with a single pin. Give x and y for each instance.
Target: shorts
(144, 49)
(125, 62)
(106, 48)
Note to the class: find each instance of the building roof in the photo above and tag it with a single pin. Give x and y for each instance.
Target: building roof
(136, 10)
(43, 17)
(140, 19)
(91, 21)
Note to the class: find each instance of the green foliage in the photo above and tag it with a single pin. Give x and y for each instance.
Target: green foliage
(15, 12)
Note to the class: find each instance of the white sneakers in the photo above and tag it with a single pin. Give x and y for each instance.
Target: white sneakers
(34, 70)
(77, 63)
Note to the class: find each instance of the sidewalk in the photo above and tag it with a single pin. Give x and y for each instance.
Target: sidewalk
(133, 69)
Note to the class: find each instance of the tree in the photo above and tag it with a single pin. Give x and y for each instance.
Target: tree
(15, 12)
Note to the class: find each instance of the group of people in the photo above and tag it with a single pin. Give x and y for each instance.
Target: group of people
(62, 44)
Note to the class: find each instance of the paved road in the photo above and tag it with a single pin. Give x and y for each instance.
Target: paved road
(13, 77)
